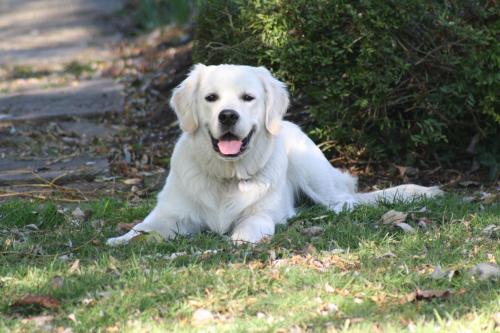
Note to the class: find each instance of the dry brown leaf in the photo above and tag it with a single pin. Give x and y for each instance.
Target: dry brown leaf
(124, 227)
(426, 295)
(41, 320)
(75, 266)
(43, 301)
(393, 217)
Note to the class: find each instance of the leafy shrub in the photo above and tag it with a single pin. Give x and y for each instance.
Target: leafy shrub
(395, 79)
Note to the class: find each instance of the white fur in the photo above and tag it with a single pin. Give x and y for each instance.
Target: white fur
(248, 195)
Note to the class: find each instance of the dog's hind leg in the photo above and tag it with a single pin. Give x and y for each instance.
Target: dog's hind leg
(405, 192)
(311, 173)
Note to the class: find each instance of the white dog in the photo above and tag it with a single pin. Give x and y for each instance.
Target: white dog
(238, 167)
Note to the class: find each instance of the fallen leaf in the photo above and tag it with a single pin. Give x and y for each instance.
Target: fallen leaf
(406, 227)
(313, 231)
(42, 320)
(328, 308)
(75, 266)
(72, 317)
(124, 227)
(202, 316)
(112, 329)
(78, 213)
(393, 217)
(486, 270)
(329, 289)
(43, 301)
(426, 295)
(132, 181)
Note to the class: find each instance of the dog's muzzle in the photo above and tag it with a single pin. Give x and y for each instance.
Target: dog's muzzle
(229, 145)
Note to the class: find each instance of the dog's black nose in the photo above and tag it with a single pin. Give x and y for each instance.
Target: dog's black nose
(228, 117)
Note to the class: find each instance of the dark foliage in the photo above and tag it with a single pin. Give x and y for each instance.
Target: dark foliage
(405, 80)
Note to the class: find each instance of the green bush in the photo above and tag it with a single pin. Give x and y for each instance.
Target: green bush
(382, 79)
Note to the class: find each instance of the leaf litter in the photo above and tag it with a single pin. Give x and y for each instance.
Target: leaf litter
(35, 303)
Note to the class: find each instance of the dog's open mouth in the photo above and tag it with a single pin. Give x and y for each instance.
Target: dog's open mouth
(229, 145)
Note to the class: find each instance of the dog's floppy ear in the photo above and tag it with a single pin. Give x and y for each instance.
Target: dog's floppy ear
(183, 100)
(277, 100)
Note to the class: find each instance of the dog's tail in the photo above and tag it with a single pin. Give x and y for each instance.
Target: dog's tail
(399, 193)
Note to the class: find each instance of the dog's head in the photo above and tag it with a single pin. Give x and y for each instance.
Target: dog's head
(229, 105)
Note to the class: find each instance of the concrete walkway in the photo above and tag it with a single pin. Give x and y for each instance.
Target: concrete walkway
(52, 32)
(51, 57)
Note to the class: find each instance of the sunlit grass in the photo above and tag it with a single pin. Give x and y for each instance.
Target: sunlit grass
(355, 275)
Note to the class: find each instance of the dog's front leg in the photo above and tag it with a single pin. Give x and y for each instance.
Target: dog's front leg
(156, 221)
(253, 229)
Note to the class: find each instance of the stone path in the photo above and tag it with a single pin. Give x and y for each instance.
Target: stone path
(53, 91)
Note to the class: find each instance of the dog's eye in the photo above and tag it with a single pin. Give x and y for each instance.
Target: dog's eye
(247, 97)
(211, 97)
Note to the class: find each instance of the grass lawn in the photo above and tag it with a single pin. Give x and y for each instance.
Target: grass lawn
(352, 274)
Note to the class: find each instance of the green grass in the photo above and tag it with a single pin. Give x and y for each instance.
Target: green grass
(292, 282)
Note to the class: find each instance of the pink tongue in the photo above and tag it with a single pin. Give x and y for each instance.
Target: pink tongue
(229, 147)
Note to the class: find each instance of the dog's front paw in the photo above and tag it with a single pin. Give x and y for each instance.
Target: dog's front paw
(240, 238)
(116, 241)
